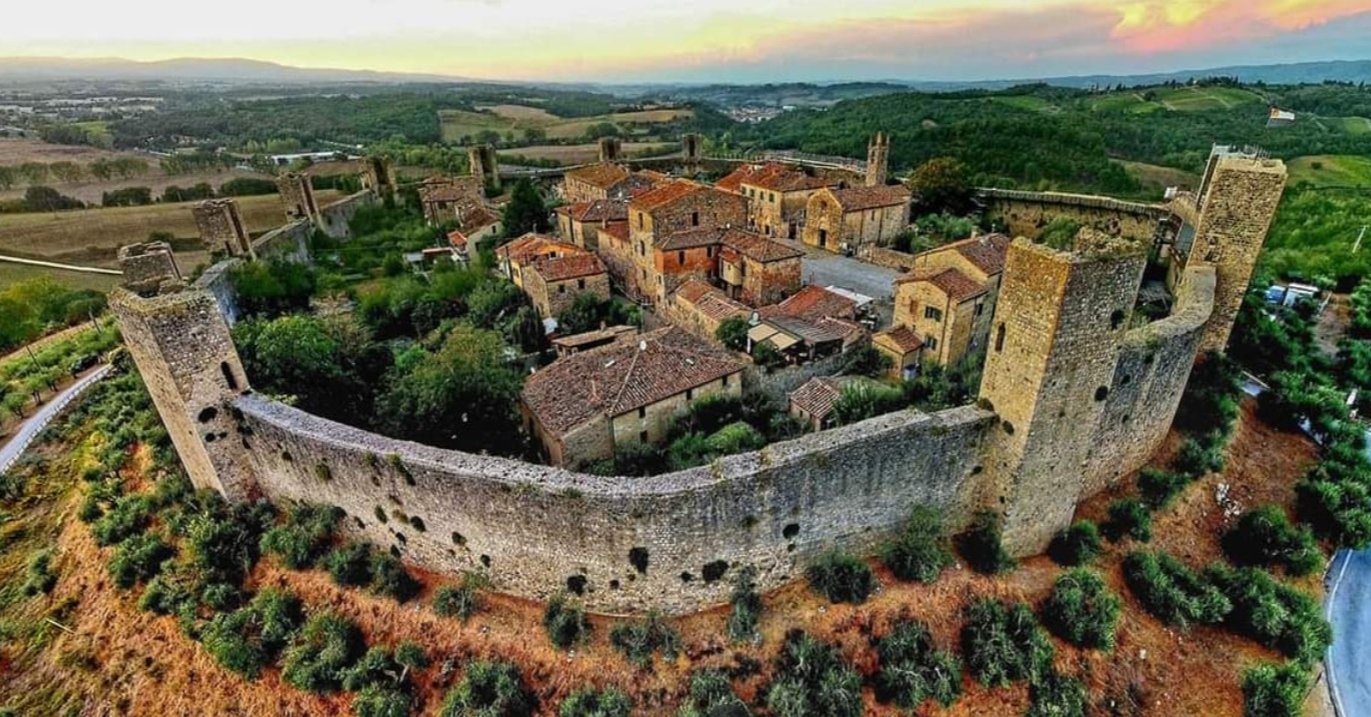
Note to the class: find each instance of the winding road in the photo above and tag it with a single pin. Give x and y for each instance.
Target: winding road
(1348, 608)
(19, 442)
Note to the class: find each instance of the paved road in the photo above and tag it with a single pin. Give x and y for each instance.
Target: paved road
(1348, 608)
(825, 269)
(19, 442)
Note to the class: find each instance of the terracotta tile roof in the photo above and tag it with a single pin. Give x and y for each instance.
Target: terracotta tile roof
(744, 172)
(634, 184)
(958, 286)
(621, 377)
(901, 338)
(618, 230)
(709, 301)
(599, 336)
(817, 396)
(690, 239)
(530, 245)
(614, 210)
(457, 239)
(759, 247)
(663, 194)
(450, 189)
(815, 302)
(856, 199)
(478, 218)
(821, 331)
(786, 179)
(603, 175)
(986, 252)
(562, 268)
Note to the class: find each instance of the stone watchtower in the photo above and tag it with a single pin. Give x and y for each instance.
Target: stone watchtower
(379, 176)
(611, 149)
(485, 164)
(877, 159)
(221, 227)
(297, 193)
(182, 347)
(1238, 201)
(1055, 341)
(147, 267)
(692, 147)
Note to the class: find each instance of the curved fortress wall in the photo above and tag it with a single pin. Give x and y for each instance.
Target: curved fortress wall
(669, 543)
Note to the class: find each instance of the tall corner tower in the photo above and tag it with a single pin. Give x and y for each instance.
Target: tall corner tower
(611, 149)
(877, 159)
(1054, 345)
(378, 175)
(297, 193)
(484, 164)
(1238, 201)
(692, 146)
(182, 347)
(221, 227)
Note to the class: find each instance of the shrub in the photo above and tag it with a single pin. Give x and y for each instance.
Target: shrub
(1081, 610)
(1128, 517)
(711, 695)
(1158, 487)
(489, 688)
(840, 577)
(38, 575)
(130, 515)
(1272, 613)
(381, 701)
(1198, 457)
(378, 667)
(1056, 695)
(1002, 643)
(639, 640)
(390, 578)
(138, 558)
(732, 333)
(746, 606)
(1265, 537)
(565, 622)
(1076, 545)
(811, 678)
(305, 536)
(249, 638)
(462, 600)
(321, 654)
(920, 551)
(1172, 592)
(863, 399)
(223, 542)
(981, 544)
(914, 670)
(1274, 691)
(595, 703)
(349, 565)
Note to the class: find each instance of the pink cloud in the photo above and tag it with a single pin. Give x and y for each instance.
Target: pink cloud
(1226, 22)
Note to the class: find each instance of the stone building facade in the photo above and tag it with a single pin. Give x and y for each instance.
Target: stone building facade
(591, 182)
(949, 295)
(847, 219)
(451, 199)
(553, 284)
(611, 149)
(756, 270)
(221, 227)
(777, 196)
(673, 234)
(1027, 214)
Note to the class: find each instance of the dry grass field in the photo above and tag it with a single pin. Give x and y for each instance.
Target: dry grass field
(517, 118)
(15, 273)
(568, 154)
(17, 150)
(91, 191)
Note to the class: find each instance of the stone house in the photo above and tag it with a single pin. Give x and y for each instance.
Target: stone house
(903, 347)
(948, 298)
(580, 223)
(581, 406)
(758, 271)
(451, 199)
(521, 253)
(591, 182)
(812, 403)
(552, 283)
(477, 225)
(674, 231)
(585, 341)
(844, 219)
(777, 196)
(699, 308)
(811, 324)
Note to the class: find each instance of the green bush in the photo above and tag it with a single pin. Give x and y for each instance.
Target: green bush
(840, 577)
(811, 679)
(914, 670)
(1002, 643)
(378, 667)
(138, 558)
(711, 695)
(1081, 610)
(1056, 695)
(746, 606)
(639, 640)
(981, 544)
(39, 577)
(223, 542)
(565, 622)
(732, 333)
(1272, 613)
(920, 551)
(1274, 691)
(595, 703)
(130, 515)
(305, 536)
(321, 654)
(1128, 517)
(1172, 592)
(249, 638)
(1076, 545)
(864, 399)
(1158, 487)
(1201, 456)
(489, 689)
(381, 701)
(1265, 537)
(462, 600)
(390, 578)
(349, 565)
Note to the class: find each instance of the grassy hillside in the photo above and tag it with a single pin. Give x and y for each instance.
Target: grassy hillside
(1331, 170)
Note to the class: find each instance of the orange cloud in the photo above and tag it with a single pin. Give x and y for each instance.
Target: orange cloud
(1167, 25)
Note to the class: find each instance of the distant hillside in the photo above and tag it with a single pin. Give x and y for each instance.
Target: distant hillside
(191, 70)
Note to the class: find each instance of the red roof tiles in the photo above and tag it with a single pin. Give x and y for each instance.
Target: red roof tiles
(902, 338)
(758, 247)
(663, 194)
(563, 268)
(603, 175)
(856, 199)
(957, 285)
(814, 303)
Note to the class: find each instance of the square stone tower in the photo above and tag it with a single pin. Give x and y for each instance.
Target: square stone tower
(221, 227)
(182, 347)
(611, 149)
(1055, 341)
(148, 267)
(297, 193)
(692, 146)
(877, 159)
(485, 164)
(378, 175)
(1238, 201)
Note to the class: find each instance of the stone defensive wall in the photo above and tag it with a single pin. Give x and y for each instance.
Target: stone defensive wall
(290, 241)
(1026, 214)
(671, 542)
(1150, 376)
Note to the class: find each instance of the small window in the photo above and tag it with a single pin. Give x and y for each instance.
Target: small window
(561, 288)
(980, 308)
(580, 283)
(640, 220)
(694, 219)
(725, 380)
(642, 436)
(690, 394)
(999, 338)
(933, 313)
(642, 412)
(680, 258)
(931, 342)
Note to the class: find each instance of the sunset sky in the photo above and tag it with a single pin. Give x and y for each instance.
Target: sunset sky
(705, 40)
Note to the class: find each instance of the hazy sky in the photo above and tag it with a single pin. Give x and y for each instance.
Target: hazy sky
(704, 40)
